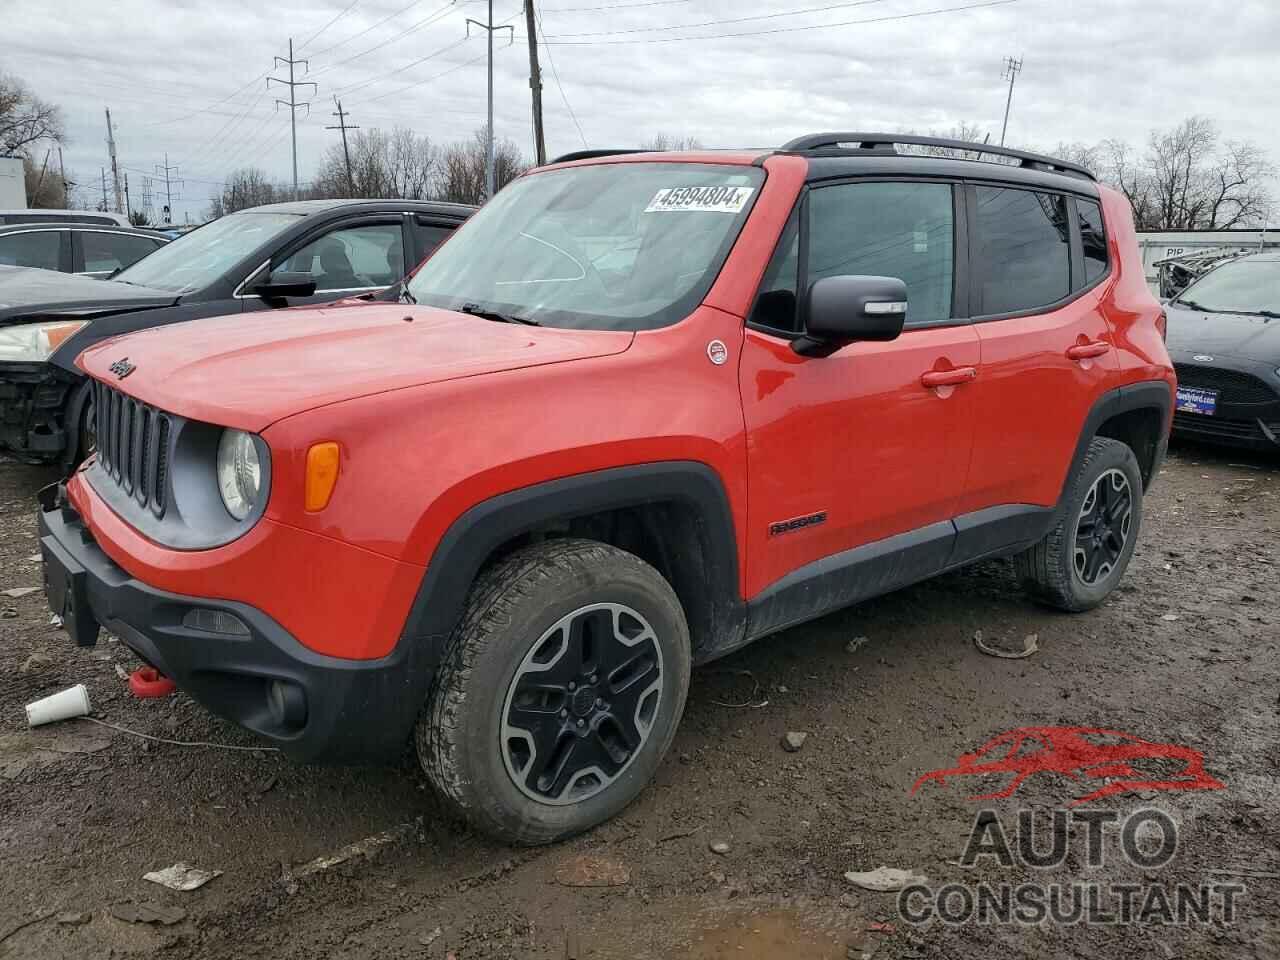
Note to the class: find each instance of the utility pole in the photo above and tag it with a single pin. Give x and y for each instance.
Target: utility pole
(535, 84)
(1012, 68)
(147, 206)
(167, 172)
(115, 170)
(293, 104)
(490, 29)
(346, 154)
(62, 172)
(128, 206)
(105, 207)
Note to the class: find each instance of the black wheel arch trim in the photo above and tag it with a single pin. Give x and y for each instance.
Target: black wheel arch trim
(1154, 395)
(475, 535)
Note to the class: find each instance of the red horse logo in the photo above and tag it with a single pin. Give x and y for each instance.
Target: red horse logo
(1078, 752)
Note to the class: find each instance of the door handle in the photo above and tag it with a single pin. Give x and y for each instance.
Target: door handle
(1086, 351)
(949, 378)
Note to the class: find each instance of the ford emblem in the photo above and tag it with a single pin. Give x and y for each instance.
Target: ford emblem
(1202, 358)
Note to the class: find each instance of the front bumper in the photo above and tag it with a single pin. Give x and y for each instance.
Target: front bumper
(313, 707)
(1247, 413)
(34, 400)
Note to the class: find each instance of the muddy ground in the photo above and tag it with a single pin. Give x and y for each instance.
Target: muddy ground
(1188, 652)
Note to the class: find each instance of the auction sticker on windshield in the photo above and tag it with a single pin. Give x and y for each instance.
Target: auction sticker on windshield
(700, 199)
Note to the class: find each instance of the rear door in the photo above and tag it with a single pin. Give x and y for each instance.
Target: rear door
(1047, 350)
(855, 448)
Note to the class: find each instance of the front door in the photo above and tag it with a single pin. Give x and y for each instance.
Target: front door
(856, 460)
(348, 260)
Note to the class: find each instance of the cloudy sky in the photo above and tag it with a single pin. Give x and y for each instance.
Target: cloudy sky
(189, 78)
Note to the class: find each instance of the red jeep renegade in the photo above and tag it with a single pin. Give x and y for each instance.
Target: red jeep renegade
(639, 411)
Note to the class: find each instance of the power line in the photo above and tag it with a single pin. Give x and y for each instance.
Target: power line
(414, 28)
(616, 6)
(717, 23)
(369, 29)
(344, 12)
(351, 88)
(418, 83)
(776, 30)
(555, 74)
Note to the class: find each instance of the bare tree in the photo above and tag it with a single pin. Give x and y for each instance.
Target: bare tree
(400, 165)
(248, 187)
(462, 168)
(669, 141)
(1192, 181)
(25, 119)
(44, 184)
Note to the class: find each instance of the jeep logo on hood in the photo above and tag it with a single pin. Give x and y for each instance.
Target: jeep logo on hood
(122, 368)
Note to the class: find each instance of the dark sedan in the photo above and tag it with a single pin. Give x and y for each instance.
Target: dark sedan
(90, 249)
(280, 255)
(1224, 337)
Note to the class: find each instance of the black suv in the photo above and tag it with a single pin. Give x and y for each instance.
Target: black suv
(280, 255)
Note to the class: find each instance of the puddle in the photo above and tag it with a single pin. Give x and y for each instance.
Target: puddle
(769, 936)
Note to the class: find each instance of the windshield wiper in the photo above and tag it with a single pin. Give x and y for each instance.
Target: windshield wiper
(1269, 313)
(475, 310)
(1192, 305)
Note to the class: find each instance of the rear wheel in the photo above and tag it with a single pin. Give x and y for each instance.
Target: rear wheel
(560, 692)
(1081, 560)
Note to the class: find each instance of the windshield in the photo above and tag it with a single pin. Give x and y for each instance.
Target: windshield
(1241, 286)
(622, 246)
(194, 261)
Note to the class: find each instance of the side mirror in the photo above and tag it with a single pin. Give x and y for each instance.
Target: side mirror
(841, 310)
(278, 286)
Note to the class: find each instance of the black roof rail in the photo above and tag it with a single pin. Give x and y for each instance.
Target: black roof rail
(885, 142)
(592, 154)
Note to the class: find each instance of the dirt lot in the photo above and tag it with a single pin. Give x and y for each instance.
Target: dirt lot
(1188, 652)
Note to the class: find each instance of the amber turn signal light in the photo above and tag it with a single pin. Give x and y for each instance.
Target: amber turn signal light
(322, 474)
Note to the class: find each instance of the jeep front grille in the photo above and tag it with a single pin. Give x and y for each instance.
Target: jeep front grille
(133, 445)
(1233, 386)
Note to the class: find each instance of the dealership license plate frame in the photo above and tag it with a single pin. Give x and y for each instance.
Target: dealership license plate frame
(1197, 400)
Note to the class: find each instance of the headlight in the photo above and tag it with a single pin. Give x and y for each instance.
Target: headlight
(239, 472)
(33, 342)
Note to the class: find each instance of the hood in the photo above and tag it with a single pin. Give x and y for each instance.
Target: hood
(1241, 335)
(250, 370)
(27, 292)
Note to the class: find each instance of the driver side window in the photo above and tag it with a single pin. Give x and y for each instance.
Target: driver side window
(353, 258)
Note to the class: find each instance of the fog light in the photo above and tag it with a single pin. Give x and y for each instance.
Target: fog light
(214, 621)
(287, 703)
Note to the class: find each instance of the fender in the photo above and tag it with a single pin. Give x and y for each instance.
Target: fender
(719, 622)
(1143, 395)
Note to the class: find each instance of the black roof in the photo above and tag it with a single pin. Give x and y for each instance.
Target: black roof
(307, 208)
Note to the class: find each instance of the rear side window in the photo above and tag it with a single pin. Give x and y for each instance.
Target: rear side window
(903, 230)
(1093, 238)
(39, 248)
(1024, 249)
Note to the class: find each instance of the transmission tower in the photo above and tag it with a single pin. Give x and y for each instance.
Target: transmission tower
(292, 103)
(167, 171)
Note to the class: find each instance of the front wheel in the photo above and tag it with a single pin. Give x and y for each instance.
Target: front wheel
(1081, 560)
(560, 691)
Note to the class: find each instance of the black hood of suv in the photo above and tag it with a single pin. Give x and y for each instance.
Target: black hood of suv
(1246, 336)
(29, 292)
